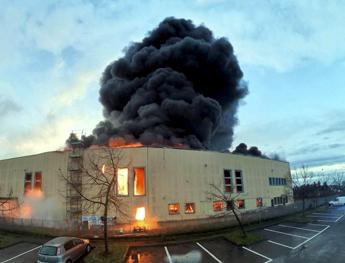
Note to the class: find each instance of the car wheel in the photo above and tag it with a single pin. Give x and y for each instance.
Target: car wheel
(88, 249)
(69, 261)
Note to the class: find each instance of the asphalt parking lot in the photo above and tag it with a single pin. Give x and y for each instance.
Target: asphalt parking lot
(284, 242)
(24, 252)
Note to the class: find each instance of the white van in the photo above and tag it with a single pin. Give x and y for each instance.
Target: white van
(340, 200)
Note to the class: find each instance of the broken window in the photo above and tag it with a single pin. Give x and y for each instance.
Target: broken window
(38, 181)
(259, 202)
(27, 183)
(174, 209)
(239, 181)
(122, 181)
(227, 181)
(139, 181)
(217, 206)
(189, 208)
(240, 204)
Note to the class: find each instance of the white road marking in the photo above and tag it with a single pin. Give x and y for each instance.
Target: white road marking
(316, 224)
(166, 252)
(8, 260)
(213, 256)
(268, 259)
(279, 244)
(311, 237)
(322, 216)
(329, 221)
(326, 214)
(283, 233)
(306, 229)
(339, 218)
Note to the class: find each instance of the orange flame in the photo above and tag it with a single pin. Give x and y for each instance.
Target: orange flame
(103, 169)
(140, 215)
(121, 143)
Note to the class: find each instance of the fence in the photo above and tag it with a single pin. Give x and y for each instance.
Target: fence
(66, 227)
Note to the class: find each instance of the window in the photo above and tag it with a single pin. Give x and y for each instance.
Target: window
(239, 181)
(122, 181)
(277, 181)
(139, 181)
(68, 245)
(174, 209)
(259, 202)
(217, 206)
(38, 181)
(227, 181)
(189, 208)
(279, 200)
(240, 204)
(27, 183)
(229, 205)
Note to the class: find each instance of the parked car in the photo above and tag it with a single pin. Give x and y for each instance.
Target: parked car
(340, 200)
(63, 250)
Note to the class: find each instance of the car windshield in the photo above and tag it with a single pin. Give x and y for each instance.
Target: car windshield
(48, 250)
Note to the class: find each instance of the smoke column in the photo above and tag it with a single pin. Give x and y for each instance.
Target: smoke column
(179, 85)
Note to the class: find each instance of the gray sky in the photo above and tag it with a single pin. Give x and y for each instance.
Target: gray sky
(292, 53)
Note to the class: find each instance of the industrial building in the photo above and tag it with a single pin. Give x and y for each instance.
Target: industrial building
(156, 185)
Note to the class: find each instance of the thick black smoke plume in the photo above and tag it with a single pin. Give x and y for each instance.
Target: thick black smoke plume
(179, 85)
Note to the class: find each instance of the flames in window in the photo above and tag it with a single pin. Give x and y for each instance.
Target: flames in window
(217, 206)
(189, 208)
(174, 209)
(140, 214)
(122, 181)
(139, 181)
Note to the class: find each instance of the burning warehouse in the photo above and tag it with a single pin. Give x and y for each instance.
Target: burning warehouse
(156, 187)
(174, 96)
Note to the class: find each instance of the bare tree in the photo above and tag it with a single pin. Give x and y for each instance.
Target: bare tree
(301, 179)
(8, 203)
(338, 181)
(98, 185)
(230, 202)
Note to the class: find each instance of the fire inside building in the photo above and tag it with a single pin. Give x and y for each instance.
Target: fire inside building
(156, 186)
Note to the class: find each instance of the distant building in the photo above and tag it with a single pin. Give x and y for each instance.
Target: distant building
(161, 186)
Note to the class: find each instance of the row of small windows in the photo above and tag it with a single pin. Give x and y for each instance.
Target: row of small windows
(277, 181)
(280, 200)
(218, 206)
(228, 182)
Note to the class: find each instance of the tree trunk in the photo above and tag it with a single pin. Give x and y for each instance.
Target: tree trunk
(240, 223)
(105, 229)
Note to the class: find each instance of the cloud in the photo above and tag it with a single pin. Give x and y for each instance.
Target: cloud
(8, 106)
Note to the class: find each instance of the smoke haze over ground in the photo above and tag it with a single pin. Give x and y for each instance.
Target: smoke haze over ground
(179, 85)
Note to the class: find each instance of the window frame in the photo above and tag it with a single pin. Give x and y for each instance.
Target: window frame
(193, 205)
(144, 168)
(117, 181)
(221, 205)
(228, 178)
(178, 208)
(259, 200)
(26, 182)
(35, 180)
(244, 204)
(241, 184)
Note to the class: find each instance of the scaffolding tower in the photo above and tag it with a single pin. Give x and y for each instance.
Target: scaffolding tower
(74, 201)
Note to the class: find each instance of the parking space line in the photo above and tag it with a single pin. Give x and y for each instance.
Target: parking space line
(306, 229)
(268, 259)
(208, 252)
(313, 224)
(35, 248)
(283, 233)
(322, 216)
(329, 221)
(279, 244)
(339, 218)
(326, 214)
(168, 254)
(311, 237)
